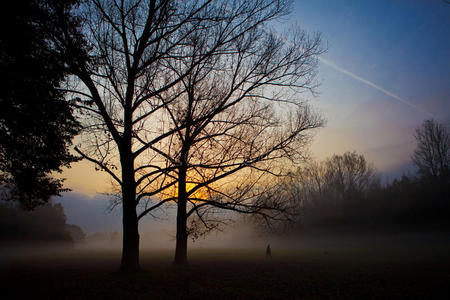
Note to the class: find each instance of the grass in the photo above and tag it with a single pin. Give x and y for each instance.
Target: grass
(231, 274)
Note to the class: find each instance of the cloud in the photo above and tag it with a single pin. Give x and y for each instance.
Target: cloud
(375, 86)
(361, 79)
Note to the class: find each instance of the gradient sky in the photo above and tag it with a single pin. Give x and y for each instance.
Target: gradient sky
(386, 70)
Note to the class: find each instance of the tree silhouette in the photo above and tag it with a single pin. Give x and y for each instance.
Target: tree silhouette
(327, 192)
(133, 76)
(432, 156)
(230, 136)
(344, 192)
(36, 122)
(46, 223)
(349, 175)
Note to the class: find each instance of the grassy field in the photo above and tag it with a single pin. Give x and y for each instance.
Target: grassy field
(231, 274)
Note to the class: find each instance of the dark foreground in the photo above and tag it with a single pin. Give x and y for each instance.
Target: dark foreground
(232, 274)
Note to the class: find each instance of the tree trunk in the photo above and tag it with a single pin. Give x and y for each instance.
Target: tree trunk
(130, 246)
(181, 237)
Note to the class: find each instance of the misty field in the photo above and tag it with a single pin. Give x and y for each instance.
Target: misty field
(365, 273)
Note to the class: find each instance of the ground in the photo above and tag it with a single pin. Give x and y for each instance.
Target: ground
(322, 273)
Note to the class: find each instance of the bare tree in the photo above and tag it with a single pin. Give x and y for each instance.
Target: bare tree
(336, 179)
(323, 189)
(135, 51)
(432, 156)
(349, 175)
(238, 114)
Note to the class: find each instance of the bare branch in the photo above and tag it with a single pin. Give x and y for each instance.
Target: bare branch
(100, 164)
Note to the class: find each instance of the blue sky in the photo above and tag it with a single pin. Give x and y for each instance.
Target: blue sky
(400, 46)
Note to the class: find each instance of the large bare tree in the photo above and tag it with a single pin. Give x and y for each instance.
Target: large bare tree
(131, 78)
(239, 118)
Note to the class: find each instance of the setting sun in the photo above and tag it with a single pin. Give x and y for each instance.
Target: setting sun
(197, 195)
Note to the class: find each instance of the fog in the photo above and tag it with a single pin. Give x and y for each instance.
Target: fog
(321, 229)
(102, 230)
(235, 239)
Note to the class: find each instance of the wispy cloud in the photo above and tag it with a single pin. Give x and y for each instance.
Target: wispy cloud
(361, 79)
(374, 85)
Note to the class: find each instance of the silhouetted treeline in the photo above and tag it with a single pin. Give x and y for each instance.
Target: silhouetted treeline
(44, 224)
(410, 203)
(344, 192)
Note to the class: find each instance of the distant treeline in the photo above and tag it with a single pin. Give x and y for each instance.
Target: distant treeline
(344, 191)
(44, 224)
(411, 203)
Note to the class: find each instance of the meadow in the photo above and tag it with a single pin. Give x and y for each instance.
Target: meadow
(234, 273)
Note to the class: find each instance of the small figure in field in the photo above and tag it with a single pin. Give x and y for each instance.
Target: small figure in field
(268, 252)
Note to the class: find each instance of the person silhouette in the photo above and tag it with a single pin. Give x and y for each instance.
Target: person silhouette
(268, 252)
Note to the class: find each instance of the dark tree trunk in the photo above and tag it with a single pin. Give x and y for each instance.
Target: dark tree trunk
(130, 247)
(182, 236)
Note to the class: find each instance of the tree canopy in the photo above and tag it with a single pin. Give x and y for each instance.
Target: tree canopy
(36, 121)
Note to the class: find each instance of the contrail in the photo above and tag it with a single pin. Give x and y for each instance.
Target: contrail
(375, 86)
(359, 78)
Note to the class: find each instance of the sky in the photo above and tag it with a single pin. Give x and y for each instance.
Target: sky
(386, 69)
